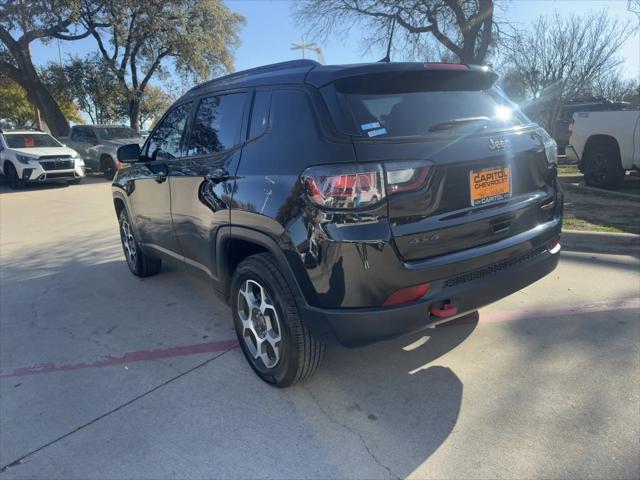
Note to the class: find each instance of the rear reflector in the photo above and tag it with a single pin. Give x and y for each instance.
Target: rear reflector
(553, 245)
(406, 295)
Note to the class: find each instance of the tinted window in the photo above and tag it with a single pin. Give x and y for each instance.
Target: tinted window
(112, 133)
(411, 104)
(217, 124)
(78, 134)
(259, 113)
(167, 138)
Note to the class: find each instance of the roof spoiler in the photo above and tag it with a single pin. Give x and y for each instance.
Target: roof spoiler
(324, 75)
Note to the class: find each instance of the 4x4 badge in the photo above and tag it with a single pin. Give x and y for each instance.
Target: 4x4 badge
(495, 144)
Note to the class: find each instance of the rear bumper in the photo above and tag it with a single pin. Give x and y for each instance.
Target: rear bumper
(515, 264)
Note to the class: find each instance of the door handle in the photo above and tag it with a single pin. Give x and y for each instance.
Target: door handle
(217, 176)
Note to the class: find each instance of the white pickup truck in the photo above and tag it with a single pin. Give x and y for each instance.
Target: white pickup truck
(605, 145)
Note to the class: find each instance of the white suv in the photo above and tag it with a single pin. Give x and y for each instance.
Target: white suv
(35, 156)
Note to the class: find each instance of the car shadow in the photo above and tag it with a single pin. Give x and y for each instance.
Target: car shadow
(394, 394)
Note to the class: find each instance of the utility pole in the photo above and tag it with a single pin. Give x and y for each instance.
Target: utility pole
(303, 46)
(308, 46)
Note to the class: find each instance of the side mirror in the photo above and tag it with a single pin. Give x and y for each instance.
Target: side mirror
(129, 153)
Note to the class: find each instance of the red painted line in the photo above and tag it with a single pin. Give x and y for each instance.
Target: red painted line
(210, 347)
(130, 357)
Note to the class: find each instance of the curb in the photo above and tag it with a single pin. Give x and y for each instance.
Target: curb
(601, 242)
(580, 188)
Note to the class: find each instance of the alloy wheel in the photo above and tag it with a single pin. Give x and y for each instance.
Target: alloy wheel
(129, 244)
(260, 324)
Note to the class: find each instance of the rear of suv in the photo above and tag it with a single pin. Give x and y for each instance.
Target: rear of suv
(343, 203)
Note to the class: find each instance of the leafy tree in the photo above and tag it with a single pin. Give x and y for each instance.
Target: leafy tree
(20, 24)
(90, 83)
(454, 29)
(560, 57)
(17, 110)
(145, 36)
(154, 103)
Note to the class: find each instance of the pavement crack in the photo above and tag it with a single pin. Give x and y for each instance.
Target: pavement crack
(354, 432)
(35, 317)
(20, 460)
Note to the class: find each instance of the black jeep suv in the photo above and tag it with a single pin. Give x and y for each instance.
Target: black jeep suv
(353, 203)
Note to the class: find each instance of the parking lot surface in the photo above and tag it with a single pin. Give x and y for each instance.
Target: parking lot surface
(104, 375)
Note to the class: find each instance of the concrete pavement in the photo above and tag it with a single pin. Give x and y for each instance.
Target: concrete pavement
(103, 375)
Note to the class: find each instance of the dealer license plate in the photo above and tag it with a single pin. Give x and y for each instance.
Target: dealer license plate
(490, 185)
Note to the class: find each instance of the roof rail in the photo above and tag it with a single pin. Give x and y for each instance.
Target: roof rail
(263, 69)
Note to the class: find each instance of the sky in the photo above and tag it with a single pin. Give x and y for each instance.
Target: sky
(270, 29)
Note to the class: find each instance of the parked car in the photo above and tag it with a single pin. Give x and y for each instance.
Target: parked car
(605, 145)
(242, 181)
(35, 156)
(98, 144)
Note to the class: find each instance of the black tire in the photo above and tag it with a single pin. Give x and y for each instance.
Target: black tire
(602, 167)
(108, 167)
(76, 181)
(15, 182)
(300, 353)
(139, 263)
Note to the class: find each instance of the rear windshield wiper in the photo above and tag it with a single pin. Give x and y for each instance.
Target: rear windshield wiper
(438, 127)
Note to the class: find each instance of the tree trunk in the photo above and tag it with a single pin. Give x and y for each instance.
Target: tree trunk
(27, 77)
(134, 112)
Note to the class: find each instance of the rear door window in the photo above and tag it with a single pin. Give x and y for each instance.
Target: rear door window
(217, 124)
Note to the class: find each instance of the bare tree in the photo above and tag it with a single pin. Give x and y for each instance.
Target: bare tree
(452, 29)
(614, 87)
(561, 56)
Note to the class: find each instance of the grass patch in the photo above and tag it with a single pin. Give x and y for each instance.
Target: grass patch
(568, 170)
(574, 223)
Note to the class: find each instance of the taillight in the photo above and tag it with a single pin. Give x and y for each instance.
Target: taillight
(346, 186)
(406, 295)
(406, 176)
(353, 186)
(573, 120)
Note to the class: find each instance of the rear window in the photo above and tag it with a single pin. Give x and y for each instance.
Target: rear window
(400, 105)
